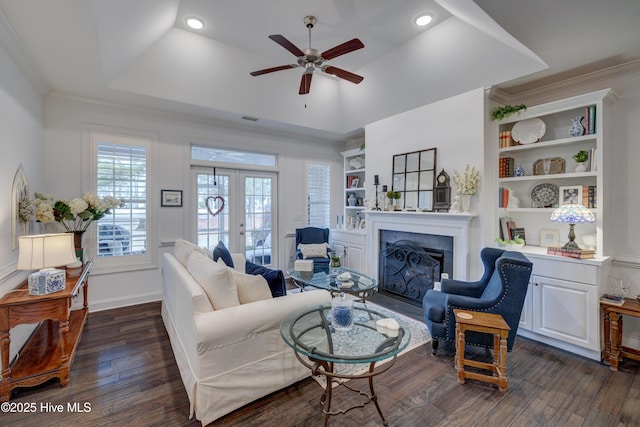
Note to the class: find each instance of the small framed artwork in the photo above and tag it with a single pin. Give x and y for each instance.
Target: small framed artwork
(171, 198)
(549, 238)
(570, 194)
(363, 224)
(355, 182)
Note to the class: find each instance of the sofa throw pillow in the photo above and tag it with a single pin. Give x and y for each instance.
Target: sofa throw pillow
(216, 279)
(182, 249)
(275, 278)
(313, 250)
(221, 251)
(238, 262)
(251, 287)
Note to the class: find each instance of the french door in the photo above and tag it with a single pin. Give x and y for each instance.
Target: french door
(236, 206)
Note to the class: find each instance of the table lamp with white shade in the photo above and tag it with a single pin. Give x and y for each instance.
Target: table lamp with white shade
(42, 252)
(572, 214)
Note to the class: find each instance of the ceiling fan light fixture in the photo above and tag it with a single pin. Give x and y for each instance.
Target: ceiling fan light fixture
(423, 20)
(194, 22)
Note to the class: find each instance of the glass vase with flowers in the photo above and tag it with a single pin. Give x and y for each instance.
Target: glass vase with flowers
(75, 215)
(466, 184)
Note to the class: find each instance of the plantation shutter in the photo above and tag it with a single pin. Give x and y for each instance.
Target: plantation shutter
(122, 173)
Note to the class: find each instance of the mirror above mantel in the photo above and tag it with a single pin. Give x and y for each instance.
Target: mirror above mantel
(414, 177)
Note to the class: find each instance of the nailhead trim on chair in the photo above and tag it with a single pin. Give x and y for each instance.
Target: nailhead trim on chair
(507, 287)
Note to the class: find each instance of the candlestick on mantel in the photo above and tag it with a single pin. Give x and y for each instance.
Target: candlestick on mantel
(376, 180)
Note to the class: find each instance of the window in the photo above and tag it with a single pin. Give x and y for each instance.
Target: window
(318, 194)
(220, 155)
(121, 171)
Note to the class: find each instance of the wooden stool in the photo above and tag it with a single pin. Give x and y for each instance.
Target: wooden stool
(490, 324)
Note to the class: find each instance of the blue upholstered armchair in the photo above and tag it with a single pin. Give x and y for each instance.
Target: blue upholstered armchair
(501, 290)
(313, 236)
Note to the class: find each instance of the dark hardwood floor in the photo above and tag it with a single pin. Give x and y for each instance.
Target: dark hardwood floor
(125, 371)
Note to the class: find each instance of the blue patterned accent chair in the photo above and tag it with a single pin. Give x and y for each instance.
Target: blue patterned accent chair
(312, 236)
(501, 290)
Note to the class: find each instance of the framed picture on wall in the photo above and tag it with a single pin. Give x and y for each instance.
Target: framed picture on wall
(171, 198)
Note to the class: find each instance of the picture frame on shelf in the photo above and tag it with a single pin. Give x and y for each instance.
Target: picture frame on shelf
(171, 198)
(570, 194)
(549, 238)
(355, 182)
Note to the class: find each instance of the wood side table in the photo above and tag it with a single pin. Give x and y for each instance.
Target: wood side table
(614, 351)
(490, 324)
(51, 349)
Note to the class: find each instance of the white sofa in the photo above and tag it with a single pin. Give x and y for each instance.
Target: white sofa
(233, 356)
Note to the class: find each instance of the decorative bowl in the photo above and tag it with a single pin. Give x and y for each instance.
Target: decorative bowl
(510, 246)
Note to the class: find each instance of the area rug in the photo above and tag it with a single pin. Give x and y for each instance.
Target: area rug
(419, 336)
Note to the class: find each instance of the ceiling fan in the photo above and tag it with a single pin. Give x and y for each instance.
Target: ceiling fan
(310, 59)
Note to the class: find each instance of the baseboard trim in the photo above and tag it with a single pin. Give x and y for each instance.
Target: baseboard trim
(110, 303)
(581, 351)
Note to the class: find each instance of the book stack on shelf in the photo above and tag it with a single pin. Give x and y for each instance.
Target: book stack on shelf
(571, 253)
(612, 299)
(353, 181)
(591, 163)
(590, 120)
(504, 139)
(589, 196)
(508, 229)
(506, 167)
(503, 197)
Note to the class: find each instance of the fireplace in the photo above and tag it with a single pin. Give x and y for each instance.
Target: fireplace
(409, 263)
(443, 237)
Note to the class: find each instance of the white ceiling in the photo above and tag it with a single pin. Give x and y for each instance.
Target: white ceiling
(140, 52)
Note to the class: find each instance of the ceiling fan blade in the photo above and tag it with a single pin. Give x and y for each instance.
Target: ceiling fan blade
(343, 48)
(282, 41)
(305, 83)
(272, 69)
(343, 74)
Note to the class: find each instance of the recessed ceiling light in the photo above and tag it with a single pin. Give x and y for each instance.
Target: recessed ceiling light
(195, 23)
(423, 20)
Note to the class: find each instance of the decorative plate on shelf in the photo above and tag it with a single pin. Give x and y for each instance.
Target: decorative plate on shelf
(544, 196)
(528, 131)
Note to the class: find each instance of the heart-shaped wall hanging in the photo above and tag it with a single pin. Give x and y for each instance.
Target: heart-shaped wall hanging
(214, 211)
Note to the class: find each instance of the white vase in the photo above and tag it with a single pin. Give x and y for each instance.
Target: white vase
(581, 167)
(465, 202)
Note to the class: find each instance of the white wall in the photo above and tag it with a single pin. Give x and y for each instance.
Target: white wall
(66, 121)
(21, 142)
(455, 126)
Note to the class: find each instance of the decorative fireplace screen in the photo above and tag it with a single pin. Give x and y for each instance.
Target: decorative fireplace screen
(407, 270)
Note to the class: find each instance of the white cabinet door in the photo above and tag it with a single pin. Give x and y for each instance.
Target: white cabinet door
(526, 318)
(564, 310)
(353, 256)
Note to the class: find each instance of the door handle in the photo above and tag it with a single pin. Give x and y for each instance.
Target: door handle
(242, 233)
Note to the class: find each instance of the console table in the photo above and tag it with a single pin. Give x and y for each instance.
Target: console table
(51, 349)
(614, 351)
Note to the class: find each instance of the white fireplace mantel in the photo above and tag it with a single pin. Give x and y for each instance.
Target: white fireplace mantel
(456, 225)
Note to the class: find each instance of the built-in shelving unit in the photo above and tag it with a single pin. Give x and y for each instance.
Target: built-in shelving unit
(353, 200)
(556, 143)
(561, 307)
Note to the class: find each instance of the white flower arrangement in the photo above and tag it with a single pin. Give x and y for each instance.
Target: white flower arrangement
(74, 215)
(467, 181)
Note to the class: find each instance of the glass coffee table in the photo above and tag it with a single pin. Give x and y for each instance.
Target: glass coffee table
(325, 277)
(318, 347)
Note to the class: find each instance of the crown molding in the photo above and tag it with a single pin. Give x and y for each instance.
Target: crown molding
(565, 88)
(11, 41)
(203, 119)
